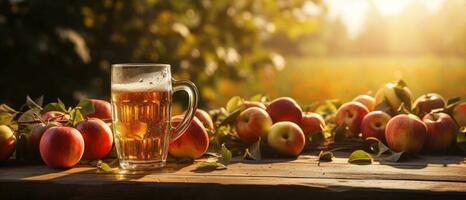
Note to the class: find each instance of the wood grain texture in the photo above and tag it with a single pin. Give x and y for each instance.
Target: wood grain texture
(427, 177)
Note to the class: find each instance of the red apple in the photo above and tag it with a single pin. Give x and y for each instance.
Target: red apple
(366, 100)
(7, 143)
(311, 124)
(61, 147)
(55, 116)
(252, 124)
(286, 138)
(249, 104)
(428, 102)
(205, 118)
(36, 134)
(459, 114)
(284, 109)
(98, 138)
(351, 115)
(194, 141)
(406, 133)
(373, 125)
(102, 109)
(393, 94)
(441, 131)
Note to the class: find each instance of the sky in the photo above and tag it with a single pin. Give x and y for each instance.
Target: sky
(352, 12)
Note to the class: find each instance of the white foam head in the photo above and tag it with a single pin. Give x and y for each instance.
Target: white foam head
(145, 82)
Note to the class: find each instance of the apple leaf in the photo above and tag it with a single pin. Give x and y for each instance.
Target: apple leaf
(206, 165)
(231, 118)
(256, 98)
(404, 110)
(317, 138)
(75, 116)
(339, 133)
(6, 109)
(86, 106)
(55, 106)
(404, 96)
(453, 100)
(233, 104)
(29, 115)
(327, 107)
(393, 156)
(32, 104)
(461, 139)
(103, 166)
(7, 114)
(360, 157)
(253, 152)
(226, 155)
(401, 84)
(377, 146)
(384, 106)
(326, 156)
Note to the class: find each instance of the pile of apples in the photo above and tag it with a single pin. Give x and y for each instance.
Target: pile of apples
(404, 126)
(391, 116)
(63, 146)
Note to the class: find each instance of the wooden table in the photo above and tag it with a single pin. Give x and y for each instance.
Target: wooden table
(426, 177)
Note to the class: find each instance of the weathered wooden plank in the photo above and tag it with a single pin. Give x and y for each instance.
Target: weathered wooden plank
(274, 178)
(454, 172)
(85, 186)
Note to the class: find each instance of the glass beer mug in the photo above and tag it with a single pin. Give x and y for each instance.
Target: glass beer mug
(141, 105)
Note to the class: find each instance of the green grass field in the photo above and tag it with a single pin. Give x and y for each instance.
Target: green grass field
(315, 79)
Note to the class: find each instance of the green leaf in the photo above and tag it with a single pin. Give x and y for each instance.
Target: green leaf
(404, 96)
(226, 155)
(256, 98)
(327, 107)
(394, 156)
(384, 106)
(377, 146)
(103, 166)
(231, 118)
(40, 101)
(32, 104)
(233, 104)
(453, 100)
(253, 151)
(7, 114)
(30, 115)
(360, 157)
(461, 139)
(210, 165)
(6, 109)
(401, 84)
(404, 110)
(339, 133)
(55, 106)
(317, 137)
(76, 116)
(326, 156)
(380, 148)
(86, 106)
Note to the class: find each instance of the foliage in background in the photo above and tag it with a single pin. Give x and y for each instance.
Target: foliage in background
(65, 48)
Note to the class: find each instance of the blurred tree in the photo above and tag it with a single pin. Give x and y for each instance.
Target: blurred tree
(65, 48)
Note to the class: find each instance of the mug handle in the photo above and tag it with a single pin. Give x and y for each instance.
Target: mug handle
(191, 89)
